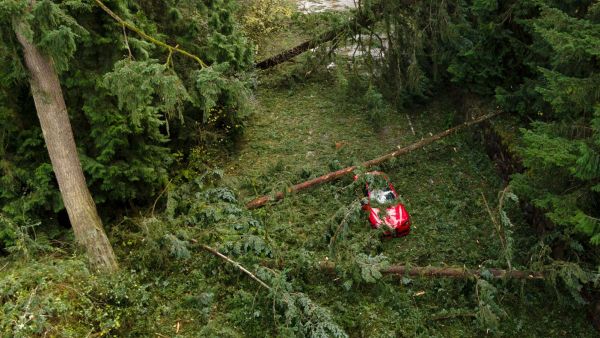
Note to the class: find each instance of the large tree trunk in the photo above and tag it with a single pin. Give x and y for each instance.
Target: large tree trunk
(56, 128)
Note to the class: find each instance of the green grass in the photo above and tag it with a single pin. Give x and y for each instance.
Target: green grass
(292, 137)
(304, 125)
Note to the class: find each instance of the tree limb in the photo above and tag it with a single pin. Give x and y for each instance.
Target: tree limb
(215, 252)
(450, 272)
(364, 18)
(148, 37)
(261, 201)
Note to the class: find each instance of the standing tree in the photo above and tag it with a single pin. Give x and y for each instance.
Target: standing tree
(58, 136)
(136, 102)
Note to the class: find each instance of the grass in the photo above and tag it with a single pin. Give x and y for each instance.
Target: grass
(305, 125)
(303, 130)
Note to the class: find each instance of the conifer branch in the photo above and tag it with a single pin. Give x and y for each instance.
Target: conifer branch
(215, 252)
(148, 37)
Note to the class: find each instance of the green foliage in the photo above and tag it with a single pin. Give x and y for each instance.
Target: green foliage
(370, 267)
(561, 154)
(487, 52)
(303, 317)
(225, 43)
(129, 140)
(262, 18)
(55, 31)
(223, 97)
(146, 90)
(130, 115)
(43, 299)
(489, 312)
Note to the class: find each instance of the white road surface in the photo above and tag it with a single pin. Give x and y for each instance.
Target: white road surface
(312, 6)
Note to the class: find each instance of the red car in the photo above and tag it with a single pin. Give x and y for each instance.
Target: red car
(382, 192)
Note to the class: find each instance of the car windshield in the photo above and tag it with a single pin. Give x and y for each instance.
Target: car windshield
(382, 196)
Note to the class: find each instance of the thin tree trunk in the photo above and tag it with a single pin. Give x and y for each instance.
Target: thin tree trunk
(362, 19)
(450, 272)
(299, 49)
(260, 201)
(56, 128)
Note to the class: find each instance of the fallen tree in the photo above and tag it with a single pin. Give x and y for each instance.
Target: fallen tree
(406, 270)
(261, 201)
(456, 272)
(301, 48)
(364, 17)
(450, 272)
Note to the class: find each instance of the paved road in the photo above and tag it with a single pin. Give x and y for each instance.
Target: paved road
(308, 6)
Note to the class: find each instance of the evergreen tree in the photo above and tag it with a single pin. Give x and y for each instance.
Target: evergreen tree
(134, 99)
(58, 136)
(561, 151)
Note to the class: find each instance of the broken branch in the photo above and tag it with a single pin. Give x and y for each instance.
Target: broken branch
(261, 201)
(215, 252)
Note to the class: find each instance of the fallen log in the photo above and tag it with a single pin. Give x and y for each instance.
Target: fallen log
(455, 272)
(363, 18)
(450, 272)
(299, 49)
(261, 201)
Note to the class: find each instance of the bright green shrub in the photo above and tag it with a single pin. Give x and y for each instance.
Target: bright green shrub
(260, 18)
(66, 300)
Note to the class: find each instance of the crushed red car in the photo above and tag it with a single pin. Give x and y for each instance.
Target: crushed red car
(380, 191)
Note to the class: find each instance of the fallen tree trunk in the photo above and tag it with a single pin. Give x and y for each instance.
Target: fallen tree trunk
(299, 49)
(261, 201)
(363, 18)
(455, 272)
(450, 272)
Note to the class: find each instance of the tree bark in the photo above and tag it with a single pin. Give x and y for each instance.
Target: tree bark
(450, 272)
(56, 128)
(299, 49)
(260, 201)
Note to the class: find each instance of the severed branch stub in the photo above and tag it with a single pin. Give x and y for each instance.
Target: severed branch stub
(261, 201)
(450, 272)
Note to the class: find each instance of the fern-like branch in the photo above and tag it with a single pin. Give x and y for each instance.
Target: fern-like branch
(148, 37)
